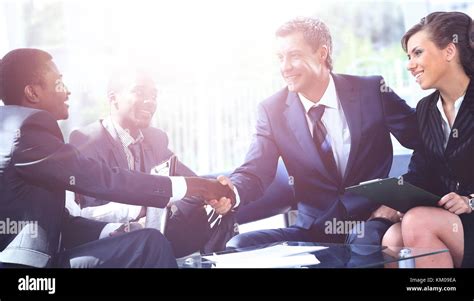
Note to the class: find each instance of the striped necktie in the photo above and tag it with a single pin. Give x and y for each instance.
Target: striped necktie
(321, 140)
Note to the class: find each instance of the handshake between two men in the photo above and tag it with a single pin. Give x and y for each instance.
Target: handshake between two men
(219, 194)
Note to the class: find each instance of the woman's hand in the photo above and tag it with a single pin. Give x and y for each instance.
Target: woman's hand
(388, 213)
(455, 203)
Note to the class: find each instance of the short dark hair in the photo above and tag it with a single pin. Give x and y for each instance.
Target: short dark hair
(448, 27)
(19, 68)
(314, 31)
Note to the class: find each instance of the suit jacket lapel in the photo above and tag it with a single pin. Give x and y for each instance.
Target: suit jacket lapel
(351, 106)
(431, 127)
(435, 122)
(113, 145)
(296, 120)
(463, 124)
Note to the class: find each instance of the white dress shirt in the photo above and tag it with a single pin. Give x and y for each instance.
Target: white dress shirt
(117, 213)
(335, 122)
(178, 184)
(445, 123)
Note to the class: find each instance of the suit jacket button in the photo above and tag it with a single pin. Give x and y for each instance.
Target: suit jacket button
(173, 209)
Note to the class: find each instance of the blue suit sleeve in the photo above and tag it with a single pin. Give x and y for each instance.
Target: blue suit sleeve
(259, 169)
(43, 159)
(400, 118)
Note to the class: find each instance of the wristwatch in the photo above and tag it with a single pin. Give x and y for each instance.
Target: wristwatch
(470, 202)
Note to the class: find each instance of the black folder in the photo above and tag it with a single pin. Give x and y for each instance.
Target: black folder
(395, 193)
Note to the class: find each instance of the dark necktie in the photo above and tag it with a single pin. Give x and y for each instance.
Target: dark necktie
(321, 140)
(135, 148)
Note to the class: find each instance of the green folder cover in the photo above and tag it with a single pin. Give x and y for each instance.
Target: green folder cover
(395, 193)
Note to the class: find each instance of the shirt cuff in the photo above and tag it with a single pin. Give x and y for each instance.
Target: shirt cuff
(109, 228)
(237, 197)
(179, 188)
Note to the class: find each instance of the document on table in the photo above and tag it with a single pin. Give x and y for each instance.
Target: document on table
(279, 256)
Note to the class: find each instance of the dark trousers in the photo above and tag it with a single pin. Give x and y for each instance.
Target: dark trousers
(373, 234)
(146, 248)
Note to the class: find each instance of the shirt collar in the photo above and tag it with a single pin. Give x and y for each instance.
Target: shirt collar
(329, 98)
(457, 104)
(124, 134)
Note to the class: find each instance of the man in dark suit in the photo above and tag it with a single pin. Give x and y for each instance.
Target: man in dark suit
(332, 131)
(36, 167)
(125, 139)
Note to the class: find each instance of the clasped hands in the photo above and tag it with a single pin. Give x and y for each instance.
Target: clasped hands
(219, 194)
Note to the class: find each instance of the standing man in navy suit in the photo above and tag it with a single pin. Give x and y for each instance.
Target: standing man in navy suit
(332, 131)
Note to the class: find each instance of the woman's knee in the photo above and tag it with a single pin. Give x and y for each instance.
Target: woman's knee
(393, 236)
(424, 223)
(417, 218)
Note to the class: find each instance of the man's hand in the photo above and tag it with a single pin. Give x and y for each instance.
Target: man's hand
(125, 228)
(208, 189)
(223, 205)
(455, 203)
(225, 181)
(387, 213)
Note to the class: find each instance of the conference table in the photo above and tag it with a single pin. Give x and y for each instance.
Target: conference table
(326, 255)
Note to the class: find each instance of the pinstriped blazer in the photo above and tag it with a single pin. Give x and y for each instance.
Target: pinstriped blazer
(442, 170)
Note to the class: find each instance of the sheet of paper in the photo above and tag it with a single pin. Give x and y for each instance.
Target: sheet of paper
(293, 261)
(274, 256)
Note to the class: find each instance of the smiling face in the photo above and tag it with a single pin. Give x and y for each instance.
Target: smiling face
(301, 67)
(427, 63)
(51, 93)
(134, 102)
